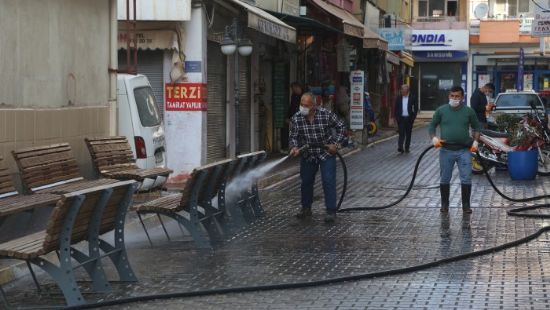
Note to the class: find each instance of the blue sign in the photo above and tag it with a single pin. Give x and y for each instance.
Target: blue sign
(435, 39)
(357, 79)
(440, 55)
(395, 38)
(193, 66)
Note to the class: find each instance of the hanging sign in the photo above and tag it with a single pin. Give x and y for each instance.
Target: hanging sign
(357, 82)
(185, 97)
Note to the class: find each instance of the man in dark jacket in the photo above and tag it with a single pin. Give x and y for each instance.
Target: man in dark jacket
(406, 108)
(478, 102)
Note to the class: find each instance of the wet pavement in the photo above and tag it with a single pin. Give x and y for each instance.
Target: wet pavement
(281, 249)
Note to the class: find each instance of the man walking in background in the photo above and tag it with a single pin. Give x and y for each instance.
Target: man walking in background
(478, 102)
(313, 127)
(406, 108)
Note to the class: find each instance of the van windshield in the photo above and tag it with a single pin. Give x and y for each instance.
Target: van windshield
(147, 108)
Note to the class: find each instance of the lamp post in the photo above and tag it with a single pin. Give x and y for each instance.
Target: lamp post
(231, 42)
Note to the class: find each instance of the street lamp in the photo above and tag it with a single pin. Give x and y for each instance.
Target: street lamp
(230, 43)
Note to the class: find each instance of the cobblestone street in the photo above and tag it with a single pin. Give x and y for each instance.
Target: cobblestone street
(278, 248)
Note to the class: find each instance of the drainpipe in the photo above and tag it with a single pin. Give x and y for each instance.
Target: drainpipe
(113, 67)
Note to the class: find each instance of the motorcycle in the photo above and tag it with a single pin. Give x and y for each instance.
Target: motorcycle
(494, 146)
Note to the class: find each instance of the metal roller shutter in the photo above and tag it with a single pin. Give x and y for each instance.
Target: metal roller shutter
(215, 116)
(245, 107)
(150, 64)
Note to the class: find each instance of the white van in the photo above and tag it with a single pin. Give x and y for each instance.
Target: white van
(140, 121)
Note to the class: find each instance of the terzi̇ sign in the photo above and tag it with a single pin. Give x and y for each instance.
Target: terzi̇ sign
(185, 97)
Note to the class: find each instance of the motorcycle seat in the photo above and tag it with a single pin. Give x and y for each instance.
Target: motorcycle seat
(494, 134)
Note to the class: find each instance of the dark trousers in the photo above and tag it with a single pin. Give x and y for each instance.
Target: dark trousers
(308, 170)
(405, 125)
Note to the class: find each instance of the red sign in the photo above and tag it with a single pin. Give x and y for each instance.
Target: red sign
(185, 97)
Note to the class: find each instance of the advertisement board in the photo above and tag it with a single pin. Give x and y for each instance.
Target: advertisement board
(357, 83)
(185, 97)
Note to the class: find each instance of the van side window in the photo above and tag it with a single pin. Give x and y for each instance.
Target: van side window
(147, 107)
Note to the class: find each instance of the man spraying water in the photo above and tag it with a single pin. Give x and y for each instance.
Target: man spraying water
(313, 126)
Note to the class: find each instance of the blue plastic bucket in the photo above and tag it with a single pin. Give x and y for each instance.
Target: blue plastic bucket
(523, 165)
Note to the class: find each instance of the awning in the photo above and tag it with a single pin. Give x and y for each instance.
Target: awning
(268, 24)
(351, 25)
(392, 58)
(304, 23)
(371, 39)
(406, 58)
(150, 39)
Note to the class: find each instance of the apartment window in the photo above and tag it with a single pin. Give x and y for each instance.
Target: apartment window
(437, 8)
(507, 8)
(523, 6)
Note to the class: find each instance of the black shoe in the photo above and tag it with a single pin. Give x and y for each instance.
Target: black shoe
(330, 217)
(407, 151)
(400, 151)
(304, 213)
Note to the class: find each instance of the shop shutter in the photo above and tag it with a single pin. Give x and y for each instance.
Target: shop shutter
(216, 121)
(245, 106)
(150, 64)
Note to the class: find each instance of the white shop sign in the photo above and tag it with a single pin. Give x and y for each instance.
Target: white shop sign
(440, 40)
(357, 82)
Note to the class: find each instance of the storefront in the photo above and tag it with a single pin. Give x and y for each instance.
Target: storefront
(505, 72)
(441, 58)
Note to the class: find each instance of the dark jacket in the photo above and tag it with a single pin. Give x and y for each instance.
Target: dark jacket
(478, 102)
(294, 105)
(412, 107)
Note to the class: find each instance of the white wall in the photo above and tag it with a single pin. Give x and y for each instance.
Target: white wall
(54, 51)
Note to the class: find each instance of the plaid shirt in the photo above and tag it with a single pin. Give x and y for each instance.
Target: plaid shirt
(317, 133)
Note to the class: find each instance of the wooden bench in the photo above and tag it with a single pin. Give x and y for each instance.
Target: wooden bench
(52, 169)
(113, 158)
(192, 207)
(11, 202)
(79, 216)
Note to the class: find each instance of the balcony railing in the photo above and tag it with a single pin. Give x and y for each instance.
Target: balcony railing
(439, 22)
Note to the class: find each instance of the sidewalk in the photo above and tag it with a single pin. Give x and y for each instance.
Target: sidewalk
(281, 249)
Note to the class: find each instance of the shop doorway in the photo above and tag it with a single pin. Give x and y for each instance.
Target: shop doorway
(505, 81)
(435, 82)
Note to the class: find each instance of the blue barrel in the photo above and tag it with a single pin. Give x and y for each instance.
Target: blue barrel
(523, 165)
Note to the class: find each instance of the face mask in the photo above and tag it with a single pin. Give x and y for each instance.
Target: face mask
(304, 111)
(454, 102)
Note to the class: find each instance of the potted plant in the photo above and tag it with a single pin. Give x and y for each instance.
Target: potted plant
(525, 139)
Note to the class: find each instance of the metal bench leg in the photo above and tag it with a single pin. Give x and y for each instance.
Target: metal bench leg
(145, 229)
(92, 261)
(64, 277)
(256, 203)
(4, 299)
(163, 227)
(94, 269)
(119, 257)
(196, 231)
(117, 253)
(38, 288)
(234, 212)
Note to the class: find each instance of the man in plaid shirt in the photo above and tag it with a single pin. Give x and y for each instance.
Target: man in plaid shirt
(323, 132)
